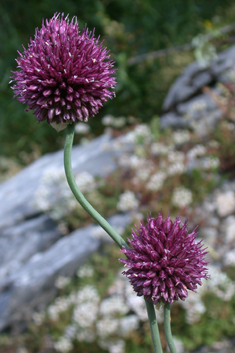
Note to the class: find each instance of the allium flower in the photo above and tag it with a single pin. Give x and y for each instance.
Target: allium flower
(64, 74)
(165, 261)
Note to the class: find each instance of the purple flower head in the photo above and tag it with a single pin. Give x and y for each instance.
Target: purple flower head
(165, 261)
(64, 74)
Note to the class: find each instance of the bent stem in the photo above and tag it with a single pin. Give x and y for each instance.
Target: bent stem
(79, 196)
(105, 225)
(167, 327)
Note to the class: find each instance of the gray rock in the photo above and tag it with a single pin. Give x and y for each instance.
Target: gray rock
(16, 202)
(31, 287)
(195, 77)
(197, 106)
(206, 125)
(201, 79)
(174, 120)
(32, 253)
(19, 243)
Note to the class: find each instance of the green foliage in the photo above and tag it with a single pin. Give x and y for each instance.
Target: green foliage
(155, 127)
(226, 138)
(200, 183)
(215, 325)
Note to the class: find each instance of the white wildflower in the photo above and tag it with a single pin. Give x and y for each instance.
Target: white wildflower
(230, 229)
(137, 216)
(132, 161)
(143, 130)
(182, 197)
(63, 227)
(61, 282)
(112, 345)
(70, 332)
(230, 126)
(176, 169)
(72, 298)
(137, 304)
(119, 122)
(61, 304)
(194, 307)
(129, 138)
(198, 106)
(128, 323)
(131, 119)
(22, 350)
(124, 160)
(136, 162)
(178, 345)
(117, 347)
(84, 141)
(99, 233)
(82, 128)
(85, 271)
(106, 327)
(117, 288)
(230, 74)
(107, 120)
(196, 151)
(176, 156)
(213, 144)
(86, 335)
(38, 318)
(85, 314)
(219, 283)
(181, 136)
(64, 345)
(53, 194)
(225, 202)
(229, 258)
(158, 149)
(104, 343)
(156, 181)
(143, 174)
(160, 314)
(87, 294)
(140, 151)
(85, 181)
(210, 162)
(127, 201)
(53, 312)
(113, 305)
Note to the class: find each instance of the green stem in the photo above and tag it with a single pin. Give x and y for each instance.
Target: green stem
(167, 327)
(105, 225)
(153, 327)
(79, 196)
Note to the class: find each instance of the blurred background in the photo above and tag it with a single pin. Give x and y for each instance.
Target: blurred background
(187, 167)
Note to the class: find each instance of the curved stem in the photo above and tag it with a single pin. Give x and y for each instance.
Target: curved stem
(167, 327)
(79, 196)
(153, 327)
(106, 226)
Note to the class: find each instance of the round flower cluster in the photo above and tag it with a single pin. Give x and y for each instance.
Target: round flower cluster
(165, 262)
(64, 74)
